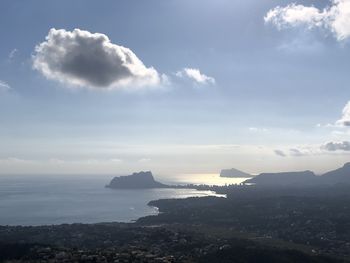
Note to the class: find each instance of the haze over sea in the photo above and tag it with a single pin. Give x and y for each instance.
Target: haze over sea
(46, 200)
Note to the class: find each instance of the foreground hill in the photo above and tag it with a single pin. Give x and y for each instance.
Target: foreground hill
(141, 180)
(316, 218)
(102, 243)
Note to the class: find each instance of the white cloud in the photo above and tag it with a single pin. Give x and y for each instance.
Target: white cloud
(81, 58)
(293, 15)
(4, 86)
(335, 18)
(336, 146)
(339, 18)
(195, 75)
(13, 53)
(258, 130)
(345, 119)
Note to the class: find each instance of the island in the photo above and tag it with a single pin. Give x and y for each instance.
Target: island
(234, 173)
(141, 180)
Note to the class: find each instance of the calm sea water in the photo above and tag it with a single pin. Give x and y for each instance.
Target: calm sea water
(28, 200)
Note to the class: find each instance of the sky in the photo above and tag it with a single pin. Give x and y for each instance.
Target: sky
(175, 86)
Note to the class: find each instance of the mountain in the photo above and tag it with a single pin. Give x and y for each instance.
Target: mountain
(141, 180)
(234, 173)
(338, 176)
(284, 179)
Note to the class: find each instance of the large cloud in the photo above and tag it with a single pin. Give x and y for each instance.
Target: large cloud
(335, 18)
(336, 146)
(345, 119)
(81, 58)
(195, 75)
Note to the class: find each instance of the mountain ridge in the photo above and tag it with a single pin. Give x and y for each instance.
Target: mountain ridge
(337, 176)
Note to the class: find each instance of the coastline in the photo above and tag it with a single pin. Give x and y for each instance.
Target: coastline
(249, 217)
(59, 202)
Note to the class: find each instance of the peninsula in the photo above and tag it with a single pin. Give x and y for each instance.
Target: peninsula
(303, 178)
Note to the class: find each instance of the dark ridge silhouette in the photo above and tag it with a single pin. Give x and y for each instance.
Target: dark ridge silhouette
(234, 173)
(284, 179)
(338, 176)
(141, 180)
(305, 178)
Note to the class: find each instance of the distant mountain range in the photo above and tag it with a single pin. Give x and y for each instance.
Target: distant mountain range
(145, 180)
(141, 180)
(308, 178)
(234, 173)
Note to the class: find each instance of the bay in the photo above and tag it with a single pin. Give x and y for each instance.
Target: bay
(46, 200)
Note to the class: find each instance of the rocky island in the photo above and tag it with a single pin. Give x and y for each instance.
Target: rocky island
(141, 180)
(234, 173)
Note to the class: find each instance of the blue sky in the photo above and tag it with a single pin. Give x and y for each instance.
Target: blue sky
(219, 84)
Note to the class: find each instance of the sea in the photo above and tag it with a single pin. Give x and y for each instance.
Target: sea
(58, 199)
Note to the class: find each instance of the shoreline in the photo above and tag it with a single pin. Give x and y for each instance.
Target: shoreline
(261, 219)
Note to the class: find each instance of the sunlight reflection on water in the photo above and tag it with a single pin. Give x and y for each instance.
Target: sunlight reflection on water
(205, 178)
